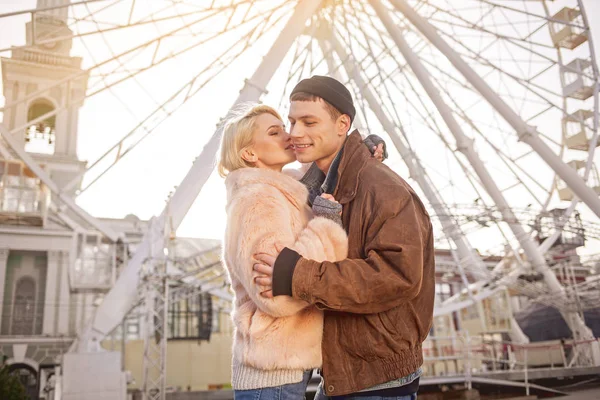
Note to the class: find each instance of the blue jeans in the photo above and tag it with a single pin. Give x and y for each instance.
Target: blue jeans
(292, 391)
(320, 395)
(409, 397)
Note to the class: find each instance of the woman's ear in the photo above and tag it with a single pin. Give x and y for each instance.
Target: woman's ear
(249, 155)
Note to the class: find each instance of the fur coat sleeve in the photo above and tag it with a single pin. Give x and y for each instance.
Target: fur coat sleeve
(261, 219)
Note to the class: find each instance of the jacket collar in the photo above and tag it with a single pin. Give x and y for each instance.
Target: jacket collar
(331, 180)
(354, 159)
(317, 182)
(290, 187)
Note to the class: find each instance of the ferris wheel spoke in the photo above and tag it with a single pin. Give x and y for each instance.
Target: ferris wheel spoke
(121, 66)
(173, 103)
(153, 63)
(371, 53)
(530, 49)
(462, 141)
(412, 162)
(506, 160)
(495, 64)
(479, 26)
(530, 86)
(52, 34)
(77, 20)
(298, 59)
(574, 180)
(431, 123)
(475, 56)
(93, 20)
(427, 119)
(530, 14)
(46, 9)
(83, 72)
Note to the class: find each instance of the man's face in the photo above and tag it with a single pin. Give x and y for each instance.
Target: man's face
(316, 136)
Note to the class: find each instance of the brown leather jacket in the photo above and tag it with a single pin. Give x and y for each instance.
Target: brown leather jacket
(378, 303)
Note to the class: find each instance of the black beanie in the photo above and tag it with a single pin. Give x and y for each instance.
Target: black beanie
(330, 90)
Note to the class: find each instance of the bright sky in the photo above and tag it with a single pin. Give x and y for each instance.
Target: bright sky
(140, 183)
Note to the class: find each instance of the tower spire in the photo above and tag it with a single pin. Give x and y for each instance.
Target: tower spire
(60, 13)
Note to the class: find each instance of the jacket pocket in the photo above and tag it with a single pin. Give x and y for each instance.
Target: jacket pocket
(405, 325)
(371, 337)
(354, 338)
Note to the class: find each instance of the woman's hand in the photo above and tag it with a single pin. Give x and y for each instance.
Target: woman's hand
(378, 152)
(327, 206)
(376, 146)
(330, 197)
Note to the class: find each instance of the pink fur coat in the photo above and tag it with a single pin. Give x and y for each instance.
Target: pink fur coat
(265, 208)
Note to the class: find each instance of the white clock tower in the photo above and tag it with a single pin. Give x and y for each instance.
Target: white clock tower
(42, 64)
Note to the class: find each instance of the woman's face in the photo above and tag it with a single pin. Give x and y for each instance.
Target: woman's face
(272, 148)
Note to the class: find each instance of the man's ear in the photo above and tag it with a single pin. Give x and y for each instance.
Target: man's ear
(343, 124)
(249, 155)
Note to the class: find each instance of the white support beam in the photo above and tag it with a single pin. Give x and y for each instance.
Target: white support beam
(41, 10)
(118, 301)
(465, 146)
(417, 172)
(3, 267)
(327, 51)
(467, 256)
(25, 97)
(525, 132)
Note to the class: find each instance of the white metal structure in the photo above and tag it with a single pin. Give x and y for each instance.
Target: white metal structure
(491, 104)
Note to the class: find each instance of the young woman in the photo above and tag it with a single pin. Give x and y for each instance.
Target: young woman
(277, 341)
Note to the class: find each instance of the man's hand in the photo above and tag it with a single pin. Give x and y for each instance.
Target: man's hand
(378, 152)
(264, 266)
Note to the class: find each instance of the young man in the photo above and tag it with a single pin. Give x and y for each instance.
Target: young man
(378, 303)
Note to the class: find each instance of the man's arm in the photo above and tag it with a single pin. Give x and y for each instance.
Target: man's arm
(390, 274)
(262, 223)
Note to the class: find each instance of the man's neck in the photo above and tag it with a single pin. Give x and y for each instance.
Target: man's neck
(325, 163)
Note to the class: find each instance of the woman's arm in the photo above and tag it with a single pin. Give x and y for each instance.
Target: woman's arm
(261, 221)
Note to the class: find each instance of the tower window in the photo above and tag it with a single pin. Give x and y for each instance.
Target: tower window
(40, 135)
(23, 198)
(24, 307)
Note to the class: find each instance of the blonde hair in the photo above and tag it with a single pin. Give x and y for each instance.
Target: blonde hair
(238, 135)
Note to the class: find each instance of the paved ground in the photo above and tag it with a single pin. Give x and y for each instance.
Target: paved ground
(589, 394)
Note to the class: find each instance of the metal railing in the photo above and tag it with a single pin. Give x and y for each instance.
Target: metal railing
(44, 57)
(463, 355)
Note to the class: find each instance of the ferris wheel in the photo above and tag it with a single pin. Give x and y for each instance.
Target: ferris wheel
(490, 107)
